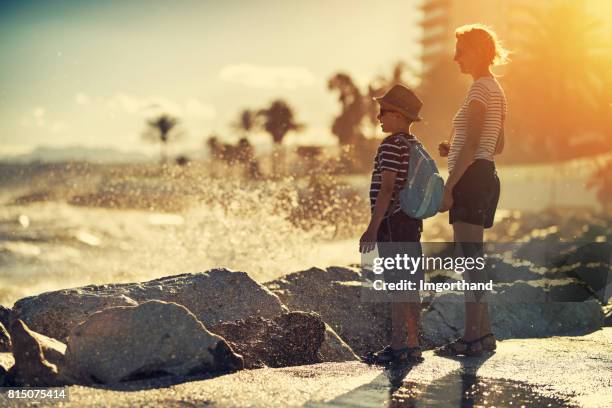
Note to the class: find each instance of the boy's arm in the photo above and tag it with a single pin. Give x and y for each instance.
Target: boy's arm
(368, 239)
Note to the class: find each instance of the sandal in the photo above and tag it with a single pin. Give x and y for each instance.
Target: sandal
(489, 342)
(461, 347)
(388, 355)
(407, 355)
(380, 357)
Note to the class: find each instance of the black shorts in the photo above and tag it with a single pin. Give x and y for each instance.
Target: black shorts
(476, 195)
(398, 235)
(399, 228)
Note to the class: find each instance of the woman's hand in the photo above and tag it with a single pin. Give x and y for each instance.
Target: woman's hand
(444, 148)
(367, 241)
(447, 199)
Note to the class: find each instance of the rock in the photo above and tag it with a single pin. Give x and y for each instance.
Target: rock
(435, 331)
(334, 349)
(5, 316)
(32, 366)
(336, 294)
(591, 263)
(294, 338)
(213, 296)
(513, 319)
(572, 291)
(131, 342)
(500, 270)
(607, 316)
(599, 278)
(520, 292)
(287, 340)
(593, 252)
(54, 314)
(5, 339)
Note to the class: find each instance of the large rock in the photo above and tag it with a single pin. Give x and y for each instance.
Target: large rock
(592, 264)
(5, 339)
(295, 338)
(214, 296)
(336, 294)
(37, 358)
(334, 349)
(124, 343)
(536, 317)
(5, 315)
(56, 313)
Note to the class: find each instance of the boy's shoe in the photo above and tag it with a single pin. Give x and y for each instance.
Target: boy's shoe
(390, 356)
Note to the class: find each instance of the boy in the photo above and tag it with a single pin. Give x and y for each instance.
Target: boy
(390, 227)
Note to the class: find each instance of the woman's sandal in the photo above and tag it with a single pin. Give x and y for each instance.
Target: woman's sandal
(489, 342)
(461, 347)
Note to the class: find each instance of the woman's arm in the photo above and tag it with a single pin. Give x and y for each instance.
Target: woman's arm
(499, 148)
(475, 120)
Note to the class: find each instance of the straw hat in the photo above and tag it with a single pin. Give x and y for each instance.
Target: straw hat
(403, 100)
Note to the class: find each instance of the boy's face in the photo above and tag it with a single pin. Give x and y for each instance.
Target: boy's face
(390, 120)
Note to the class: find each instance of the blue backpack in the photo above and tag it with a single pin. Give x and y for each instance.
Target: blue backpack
(422, 194)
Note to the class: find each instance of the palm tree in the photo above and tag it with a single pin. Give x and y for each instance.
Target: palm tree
(247, 122)
(347, 125)
(562, 64)
(162, 129)
(278, 120)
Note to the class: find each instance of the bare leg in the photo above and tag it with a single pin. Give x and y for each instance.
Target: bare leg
(477, 321)
(405, 317)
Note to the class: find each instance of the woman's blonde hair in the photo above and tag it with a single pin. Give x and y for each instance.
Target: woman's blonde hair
(485, 40)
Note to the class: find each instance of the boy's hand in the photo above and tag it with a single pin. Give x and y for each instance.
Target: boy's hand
(444, 148)
(367, 241)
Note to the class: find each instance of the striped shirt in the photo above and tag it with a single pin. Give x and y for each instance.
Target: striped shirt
(487, 91)
(393, 154)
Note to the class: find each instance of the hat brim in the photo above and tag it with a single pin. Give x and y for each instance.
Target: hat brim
(407, 114)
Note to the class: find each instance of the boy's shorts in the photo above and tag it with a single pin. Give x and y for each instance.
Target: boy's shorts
(401, 235)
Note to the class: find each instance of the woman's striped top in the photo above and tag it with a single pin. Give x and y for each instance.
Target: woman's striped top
(487, 91)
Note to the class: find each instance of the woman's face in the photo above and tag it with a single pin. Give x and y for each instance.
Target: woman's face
(466, 57)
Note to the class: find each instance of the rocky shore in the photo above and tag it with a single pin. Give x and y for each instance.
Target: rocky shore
(199, 328)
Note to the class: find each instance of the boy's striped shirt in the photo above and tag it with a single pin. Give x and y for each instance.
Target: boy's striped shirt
(393, 154)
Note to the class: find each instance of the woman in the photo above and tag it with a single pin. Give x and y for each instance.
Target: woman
(472, 189)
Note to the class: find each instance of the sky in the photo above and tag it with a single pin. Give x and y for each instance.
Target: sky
(90, 73)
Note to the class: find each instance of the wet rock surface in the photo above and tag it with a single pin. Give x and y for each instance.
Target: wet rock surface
(154, 338)
(289, 339)
(528, 371)
(522, 312)
(335, 293)
(37, 358)
(5, 339)
(214, 296)
(5, 314)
